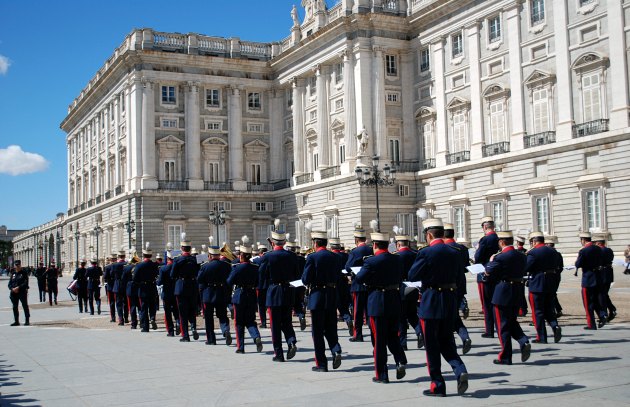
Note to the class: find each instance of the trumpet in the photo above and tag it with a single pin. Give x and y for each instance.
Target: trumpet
(227, 253)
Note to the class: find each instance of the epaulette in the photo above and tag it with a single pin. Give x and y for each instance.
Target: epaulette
(367, 257)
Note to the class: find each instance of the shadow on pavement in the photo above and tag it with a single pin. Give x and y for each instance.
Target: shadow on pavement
(574, 359)
(9, 377)
(524, 389)
(599, 341)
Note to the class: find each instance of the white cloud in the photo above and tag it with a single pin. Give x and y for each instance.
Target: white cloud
(15, 161)
(4, 65)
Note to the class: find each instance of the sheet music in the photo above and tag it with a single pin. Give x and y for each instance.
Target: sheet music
(476, 268)
(415, 284)
(297, 283)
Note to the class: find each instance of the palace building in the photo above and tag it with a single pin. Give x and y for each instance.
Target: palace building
(510, 108)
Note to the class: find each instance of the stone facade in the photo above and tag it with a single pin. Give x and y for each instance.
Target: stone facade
(517, 109)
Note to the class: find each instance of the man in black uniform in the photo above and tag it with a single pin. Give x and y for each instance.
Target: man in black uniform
(358, 291)
(18, 286)
(438, 267)
(488, 245)
(119, 289)
(261, 290)
(277, 268)
(551, 241)
(81, 277)
(382, 275)
(52, 276)
(93, 274)
(40, 274)
(321, 274)
(144, 277)
(108, 279)
(298, 292)
(343, 286)
(409, 295)
(212, 280)
(590, 261)
(131, 291)
(605, 277)
(184, 273)
(171, 313)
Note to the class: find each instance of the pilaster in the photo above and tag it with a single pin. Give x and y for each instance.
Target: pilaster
(564, 127)
(476, 106)
(513, 16)
(193, 137)
(149, 179)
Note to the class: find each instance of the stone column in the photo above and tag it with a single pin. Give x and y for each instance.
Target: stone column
(476, 105)
(90, 191)
(97, 183)
(298, 127)
(70, 176)
(564, 127)
(513, 17)
(441, 129)
(409, 135)
(363, 94)
(117, 140)
(235, 130)
(134, 154)
(193, 137)
(323, 136)
(350, 111)
(149, 180)
(276, 156)
(107, 115)
(380, 124)
(620, 108)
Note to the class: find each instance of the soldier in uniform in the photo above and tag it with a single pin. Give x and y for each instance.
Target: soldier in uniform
(343, 286)
(358, 291)
(18, 287)
(41, 281)
(81, 277)
(541, 269)
(244, 278)
(590, 260)
(261, 290)
(551, 241)
(184, 273)
(171, 313)
(488, 245)
(298, 292)
(212, 280)
(144, 277)
(520, 244)
(119, 289)
(382, 275)
(321, 275)
(277, 268)
(606, 277)
(131, 291)
(52, 276)
(108, 278)
(438, 267)
(93, 274)
(409, 295)
(462, 251)
(507, 269)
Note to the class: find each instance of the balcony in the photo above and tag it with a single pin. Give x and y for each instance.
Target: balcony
(108, 194)
(217, 186)
(118, 190)
(458, 157)
(90, 203)
(303, 179)
(259, 186)
(98, 199)
(278, 185)
(428, 163)
(501, 147)
(82, 207)
(329, 172)
(588, 128)
(539, 139)
(406, 166)
(173, 185)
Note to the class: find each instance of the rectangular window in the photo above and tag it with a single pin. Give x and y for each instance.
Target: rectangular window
(459, 222)
(255, 174)
(391, 65)
(497, 212)
(403, 190)
(394, 150)
(283, 205)
(591, 97)
(213, 174)
(459, 132)
(494, 29)
(458, 184)
(262, 206)
(253, 101)
(338, 73)
(393, 97)
(312, 115)
(312, 85)
(169, 170)
(425, 60)
(425, 92)
(169, 123)
(332, 225)
(538, 51)
(593, 211)
(405, 222)
(537, 11)
(213, 126)
(342, 153)
(457, 43)
(221, 205)
(497, 123)
(541, 206)
(338, 104)
(213, 98)
(315, 161)
(168, 95)
(174, 235)
(331, 195)
(592, 161)
(427, 140)
(496, 177)
(255, 127)
(540, 169)
(540, 109)
(174, 206)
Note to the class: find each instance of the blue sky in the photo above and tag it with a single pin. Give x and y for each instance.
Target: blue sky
(49, 50)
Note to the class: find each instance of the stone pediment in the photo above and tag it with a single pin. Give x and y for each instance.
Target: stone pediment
(170, 140)
(495, 90)
(425, 111)
(589, 60)
(257, 143)
(539, 77)
(337, 125)
(214, 141)
(458, 103)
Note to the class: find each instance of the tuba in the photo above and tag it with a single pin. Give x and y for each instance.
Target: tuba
(227, 253)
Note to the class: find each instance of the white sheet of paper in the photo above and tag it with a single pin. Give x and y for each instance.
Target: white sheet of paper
(476, 268)
(471, 253)
(297, 283)
(569, 268)
(355, 270)
(343, 271)
(416, 284)
(201, 258)
(619, 262)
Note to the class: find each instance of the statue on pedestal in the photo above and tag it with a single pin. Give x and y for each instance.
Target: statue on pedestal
(294, 16)
(363, 139)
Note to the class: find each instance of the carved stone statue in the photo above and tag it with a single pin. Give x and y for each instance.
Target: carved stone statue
(363, 138)
(294, 16)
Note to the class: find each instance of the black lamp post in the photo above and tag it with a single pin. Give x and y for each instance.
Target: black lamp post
(130, 225)
(97, 230)
(58, 251)
(375, 177)
(217, 218)
(77, 235)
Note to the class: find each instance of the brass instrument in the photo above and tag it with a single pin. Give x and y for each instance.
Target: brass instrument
(227, 252)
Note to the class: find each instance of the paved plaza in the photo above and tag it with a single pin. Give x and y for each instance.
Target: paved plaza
(71, 359)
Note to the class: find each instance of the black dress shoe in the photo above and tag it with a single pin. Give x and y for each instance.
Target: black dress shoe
(420, 341)
(466, 312)
(170, 334)
(195, 334)
(239, 351)
(263, 325)
(134, 327)
(15, 324)
(185, 339)
(484, 335)
(144, 330)
(557, 334)
(501, 362)
(336, 360)
(259, 345)
(154, 325)
(612, 315)
(278, 359)
(210, 343)
(302, 324)
(429, 393)
(384, 381)
(462, 383)
(291, 351)
(401, 371)
(356, 339)
(466, 346)
(405, 348)
(350, 328)
(319, 369)
(228, 338)
(112, 320)
(121, 323)
(588, 328)
(601, 323)
(526, 351)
